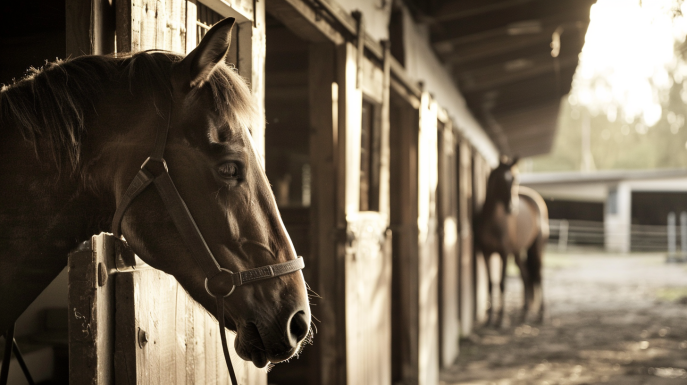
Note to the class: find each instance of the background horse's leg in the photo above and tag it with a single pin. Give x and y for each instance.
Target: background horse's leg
(502, 288)
(534, 267)
(490, 307)
(526, 284)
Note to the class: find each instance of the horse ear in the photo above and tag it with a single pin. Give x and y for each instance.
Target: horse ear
(198, 65)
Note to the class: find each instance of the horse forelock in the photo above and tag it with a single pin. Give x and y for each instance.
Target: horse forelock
(52, 103)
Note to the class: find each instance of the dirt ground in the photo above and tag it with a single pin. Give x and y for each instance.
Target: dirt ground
(614, 319)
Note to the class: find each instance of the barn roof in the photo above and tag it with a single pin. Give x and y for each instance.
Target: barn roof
(499, 53)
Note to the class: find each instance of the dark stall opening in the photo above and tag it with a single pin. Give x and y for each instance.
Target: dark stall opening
(650, 211)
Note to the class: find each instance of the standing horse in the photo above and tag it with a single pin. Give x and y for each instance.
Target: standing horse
(513, 220)
(73, 137)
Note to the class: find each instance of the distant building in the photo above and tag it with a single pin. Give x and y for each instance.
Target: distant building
(632, 205)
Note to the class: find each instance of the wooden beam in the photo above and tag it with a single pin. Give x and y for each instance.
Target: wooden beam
(306, 22)
(455, 10)
(499, 75)
(548, 14)
(521, 95)
(506, 48)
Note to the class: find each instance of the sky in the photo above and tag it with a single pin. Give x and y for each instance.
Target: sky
(628, 63)
(630, 90)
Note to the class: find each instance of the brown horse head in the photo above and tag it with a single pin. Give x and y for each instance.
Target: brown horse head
(502, 185)
(219, 174)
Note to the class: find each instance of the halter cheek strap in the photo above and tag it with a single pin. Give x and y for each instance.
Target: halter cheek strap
(219, 282)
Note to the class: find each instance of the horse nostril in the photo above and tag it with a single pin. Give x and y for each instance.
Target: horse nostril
(298, 327)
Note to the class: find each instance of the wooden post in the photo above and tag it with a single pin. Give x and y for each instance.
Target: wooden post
(324, 107)
(428, 336)
(447, 213)
(467, 287)
(404, 121)
(91, 305)
(90, 27)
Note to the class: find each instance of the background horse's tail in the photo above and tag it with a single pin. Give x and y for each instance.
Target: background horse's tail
(543, 210)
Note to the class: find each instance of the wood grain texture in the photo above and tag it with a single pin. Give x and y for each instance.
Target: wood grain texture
(183, 343)
(154, 24)
(367, 265)
(91, 304)
(106, 322)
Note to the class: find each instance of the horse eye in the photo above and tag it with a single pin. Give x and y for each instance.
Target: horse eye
(229, 170)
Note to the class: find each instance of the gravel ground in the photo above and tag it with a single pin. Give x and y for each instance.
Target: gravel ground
(615, 319)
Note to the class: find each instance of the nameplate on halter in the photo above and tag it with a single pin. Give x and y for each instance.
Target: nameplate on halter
(265, 272)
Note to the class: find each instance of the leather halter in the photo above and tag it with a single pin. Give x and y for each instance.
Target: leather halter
(219, 282)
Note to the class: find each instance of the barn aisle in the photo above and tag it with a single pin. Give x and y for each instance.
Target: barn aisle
(616, 319)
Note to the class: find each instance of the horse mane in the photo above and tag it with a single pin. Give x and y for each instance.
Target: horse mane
(51, 104)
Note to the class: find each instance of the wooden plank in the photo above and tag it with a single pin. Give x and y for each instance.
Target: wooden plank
(90, 27)
(183, 343)
(254, 59)
(385, 131)
(155, 24)
(191, 18)
(467, 288)
(304, 21)
(404, 122)
(323, 101)
(447, 211)
(91, 304)
(428, 261)
(367, 266)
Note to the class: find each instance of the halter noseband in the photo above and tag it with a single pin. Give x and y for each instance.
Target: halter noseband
(219, 282)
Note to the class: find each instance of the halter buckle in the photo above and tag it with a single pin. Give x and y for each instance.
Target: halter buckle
(218, 284)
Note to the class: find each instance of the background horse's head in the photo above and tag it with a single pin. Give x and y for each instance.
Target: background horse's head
(218, 172)
(503, 184)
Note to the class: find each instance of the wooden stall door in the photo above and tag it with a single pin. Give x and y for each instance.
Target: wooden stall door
(132, 324)
(428, 257)
(366, 250)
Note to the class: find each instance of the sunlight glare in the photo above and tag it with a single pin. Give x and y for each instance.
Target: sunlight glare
(628, 58)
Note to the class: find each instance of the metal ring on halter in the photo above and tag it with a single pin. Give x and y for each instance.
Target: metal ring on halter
(233, 287)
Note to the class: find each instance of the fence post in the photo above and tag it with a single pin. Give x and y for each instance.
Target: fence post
(563, 235)
(683, 236)
(672, 237)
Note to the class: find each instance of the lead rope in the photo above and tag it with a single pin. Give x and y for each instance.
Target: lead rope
(223, 336)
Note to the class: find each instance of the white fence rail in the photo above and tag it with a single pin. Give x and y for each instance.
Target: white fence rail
(671, 239)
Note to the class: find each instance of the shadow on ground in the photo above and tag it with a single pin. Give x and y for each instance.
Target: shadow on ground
(612, 319)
